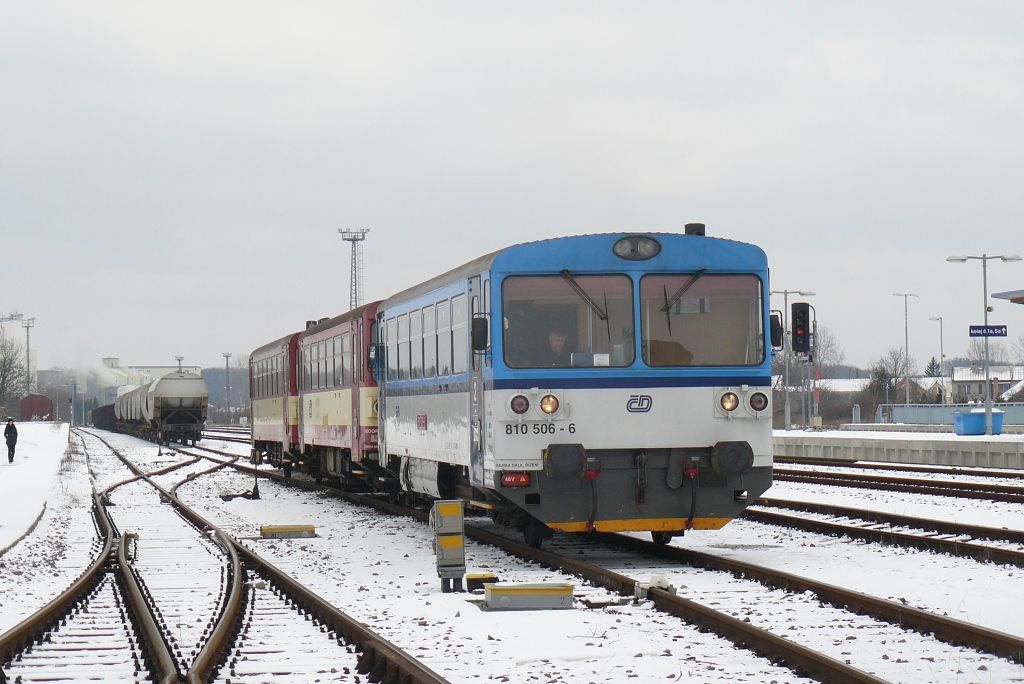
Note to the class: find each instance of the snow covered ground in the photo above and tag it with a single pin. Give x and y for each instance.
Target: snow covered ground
(382, 572)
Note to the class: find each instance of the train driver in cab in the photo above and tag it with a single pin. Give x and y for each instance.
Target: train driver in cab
(556, 352)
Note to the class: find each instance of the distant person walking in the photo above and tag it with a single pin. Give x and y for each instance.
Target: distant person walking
(11, 435)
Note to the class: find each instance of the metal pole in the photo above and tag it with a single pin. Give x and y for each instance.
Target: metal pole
(788, 343)
(789, 340)
(227, 386)
(906, 340)
(906, 347)
(988, 386)
(27, 323)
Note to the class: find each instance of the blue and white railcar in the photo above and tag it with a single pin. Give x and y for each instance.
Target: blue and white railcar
(651, 412)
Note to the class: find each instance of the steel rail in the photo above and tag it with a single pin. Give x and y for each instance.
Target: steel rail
(951, 547)
(898, 467)
(940, 526)
(25, 632)
(950, 630)
(165, 670)
(220, 639)
(379, 659)
(962, 490)
(799, 658)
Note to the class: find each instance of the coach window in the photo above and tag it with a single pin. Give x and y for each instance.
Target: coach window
(460, 334)
(570, 320)
(346, 360)
(391, 338)
(697, 319)
(416, 344)
(307, 371)
(403, 347)
(429, 343)
(444, 338)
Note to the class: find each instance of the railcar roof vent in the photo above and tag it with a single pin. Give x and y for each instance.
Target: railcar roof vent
(323, 320)
(310, 324)
(695, 229)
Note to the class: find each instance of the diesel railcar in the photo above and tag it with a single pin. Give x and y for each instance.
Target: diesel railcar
(169, 409)
(274, 397)
(315, 400)
(614, 382)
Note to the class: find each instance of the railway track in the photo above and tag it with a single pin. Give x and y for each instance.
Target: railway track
(239, 437)
(979, 542)
(964, 490)
(164, 634)
(893, 618)
(900, 467)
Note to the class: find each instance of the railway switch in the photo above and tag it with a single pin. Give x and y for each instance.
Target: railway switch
(449, 543)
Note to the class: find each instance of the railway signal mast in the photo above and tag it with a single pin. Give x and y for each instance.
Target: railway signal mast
(356, 237)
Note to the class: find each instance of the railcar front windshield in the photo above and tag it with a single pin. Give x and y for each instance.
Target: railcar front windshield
(699, 319)
(568, 320)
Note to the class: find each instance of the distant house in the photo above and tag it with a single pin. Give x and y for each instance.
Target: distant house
(969, 383)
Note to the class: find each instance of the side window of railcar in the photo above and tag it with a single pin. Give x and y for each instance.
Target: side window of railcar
(460, 334)
(416, 344)
(391, 339)
(333, 364)
(690, 319)
(307, 368)
(429, 343)
(403, 347)
(444, 338)
(346, 359)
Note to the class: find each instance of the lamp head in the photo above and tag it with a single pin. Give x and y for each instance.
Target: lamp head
(960, 259)
(1011, 257)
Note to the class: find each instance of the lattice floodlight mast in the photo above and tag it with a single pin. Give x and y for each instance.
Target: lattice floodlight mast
(356, 237)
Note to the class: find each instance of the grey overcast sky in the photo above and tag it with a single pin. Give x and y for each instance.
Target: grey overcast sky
(173, 175)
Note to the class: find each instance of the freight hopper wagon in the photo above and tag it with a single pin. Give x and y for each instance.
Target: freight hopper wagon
(170, 409)
(605, 382)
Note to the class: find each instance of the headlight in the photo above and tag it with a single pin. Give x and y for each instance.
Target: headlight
(636, 248)
(519, 404)
(758, 401)
(549, 403)
(730, 401)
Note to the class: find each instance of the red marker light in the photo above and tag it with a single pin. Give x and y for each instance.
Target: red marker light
(515, 479)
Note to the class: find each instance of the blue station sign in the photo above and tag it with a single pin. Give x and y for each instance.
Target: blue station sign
(988, 331)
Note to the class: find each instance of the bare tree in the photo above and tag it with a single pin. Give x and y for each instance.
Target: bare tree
(1018, 350)
(886, 373)
(827, 351)
(12, 373)
(997, 354)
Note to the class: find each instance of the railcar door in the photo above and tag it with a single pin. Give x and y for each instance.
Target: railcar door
(476, 392)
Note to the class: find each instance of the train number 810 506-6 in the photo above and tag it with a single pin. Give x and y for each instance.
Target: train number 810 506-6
(538, 428)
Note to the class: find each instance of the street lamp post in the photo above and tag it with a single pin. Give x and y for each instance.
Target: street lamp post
(942, 359)
(906, 341)
(984, 258)
(785, 327)
(227, 385)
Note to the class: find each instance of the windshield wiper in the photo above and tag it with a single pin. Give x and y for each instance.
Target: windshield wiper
(578, 289)
(671, 301)
(583, 295)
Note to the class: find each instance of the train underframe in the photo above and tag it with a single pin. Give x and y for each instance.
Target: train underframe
(183, 433)
(662, 491)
